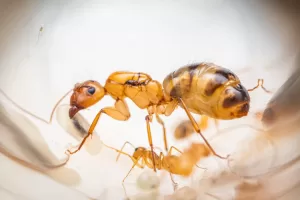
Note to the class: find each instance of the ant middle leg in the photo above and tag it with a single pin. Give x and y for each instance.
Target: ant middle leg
(260, 83)
(119, 112)
(159, 120)
(197, 129)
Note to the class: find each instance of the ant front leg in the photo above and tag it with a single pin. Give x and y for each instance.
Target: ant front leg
(119, 112)
(197, 129)
(134, 164)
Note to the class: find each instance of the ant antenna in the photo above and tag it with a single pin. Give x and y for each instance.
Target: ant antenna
(30, 113)
(121, 150)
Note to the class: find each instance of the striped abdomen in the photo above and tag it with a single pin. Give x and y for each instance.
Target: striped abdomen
(207, 89)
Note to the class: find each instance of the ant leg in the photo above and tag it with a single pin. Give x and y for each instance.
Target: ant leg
(148, 120)
(259, 115)
(203, 124)
(161, 158)
(217, 124)
(260, 83)
(134, 164)
(119, 112)
(197, 129)
(121, 150)
(175, 185)
(159, 120)
(173, 147)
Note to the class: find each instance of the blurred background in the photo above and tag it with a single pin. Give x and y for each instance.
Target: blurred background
(46, 47)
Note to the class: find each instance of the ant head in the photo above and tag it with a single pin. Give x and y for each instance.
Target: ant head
(85, 95)
(234, 102)
(138, 152)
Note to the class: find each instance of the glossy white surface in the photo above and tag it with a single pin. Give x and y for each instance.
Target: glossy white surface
(90, 39)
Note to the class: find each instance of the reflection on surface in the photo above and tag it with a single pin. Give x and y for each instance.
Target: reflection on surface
(265, 166)
(78, 127)
(22, 142)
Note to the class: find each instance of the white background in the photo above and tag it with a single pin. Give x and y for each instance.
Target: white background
(90, 39)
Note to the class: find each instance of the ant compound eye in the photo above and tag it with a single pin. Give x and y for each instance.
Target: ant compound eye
(91, 90)
(136, 149)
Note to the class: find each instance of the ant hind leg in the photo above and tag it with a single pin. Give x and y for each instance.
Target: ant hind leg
(197, 129)
(260, 83)
(173, 147)
(134, 164)
(161, 158)
(148, 120)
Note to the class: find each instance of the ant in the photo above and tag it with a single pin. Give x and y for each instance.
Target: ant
(185, 128)
(202, 88)
(180, 165)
